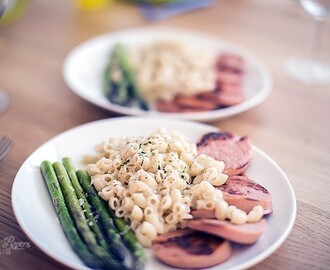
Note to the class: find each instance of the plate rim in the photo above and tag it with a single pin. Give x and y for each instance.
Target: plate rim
(206, 116)
(251, 262)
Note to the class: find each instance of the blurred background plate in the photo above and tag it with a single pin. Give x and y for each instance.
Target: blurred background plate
(84, 66)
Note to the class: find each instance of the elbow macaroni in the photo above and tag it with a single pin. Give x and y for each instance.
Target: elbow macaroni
(155, 181)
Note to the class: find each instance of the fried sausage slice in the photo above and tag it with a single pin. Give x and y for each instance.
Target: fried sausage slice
(195, 103)
(234, 151)
(186, 104)
(245, 194)
(242, 192)
(230, 62)
(229, 77)
(247, 233)
(203, 213)
(223, 98)
(168, 106)
(231, 88)
(191, 249)
(230, 99)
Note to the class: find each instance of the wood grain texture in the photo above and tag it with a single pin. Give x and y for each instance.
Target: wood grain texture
(292, 126)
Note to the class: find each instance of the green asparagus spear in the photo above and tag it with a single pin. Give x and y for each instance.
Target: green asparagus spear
(128, 235)
(106, 219)
(115, 86)
(80, 221)
(120, 54)
(70, 169)
(64, 216)
(119, 82)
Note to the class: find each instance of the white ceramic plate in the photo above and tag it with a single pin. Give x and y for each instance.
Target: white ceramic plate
(84, 66)
(36, 215)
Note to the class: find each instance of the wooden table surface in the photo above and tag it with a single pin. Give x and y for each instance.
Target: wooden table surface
(292, 125)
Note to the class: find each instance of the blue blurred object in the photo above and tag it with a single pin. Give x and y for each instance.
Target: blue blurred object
(161, 12)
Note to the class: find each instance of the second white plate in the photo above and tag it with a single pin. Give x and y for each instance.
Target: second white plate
(84, 66)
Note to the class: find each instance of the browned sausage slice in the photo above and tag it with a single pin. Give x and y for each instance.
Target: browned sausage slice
(191, 249)
(222, 98)
(209, 96)
(230, 98)
(186, 104)
(247, 233)
(231, 88)
(245, 194)
(203, 213)
(230, 62)
(169, 106)
(229, 77)
(195, 102)
(236, 152)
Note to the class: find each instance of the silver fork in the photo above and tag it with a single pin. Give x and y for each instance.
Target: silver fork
(5, 145)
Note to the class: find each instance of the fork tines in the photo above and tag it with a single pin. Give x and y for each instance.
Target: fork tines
(5, 145)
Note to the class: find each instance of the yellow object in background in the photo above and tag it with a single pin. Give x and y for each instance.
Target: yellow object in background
(92, 4)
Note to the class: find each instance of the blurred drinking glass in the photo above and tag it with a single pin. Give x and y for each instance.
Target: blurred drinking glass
(310, 70)
(3, 4)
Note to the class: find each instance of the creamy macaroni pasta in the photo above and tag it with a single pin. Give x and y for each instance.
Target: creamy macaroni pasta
(155, 181)
(165, 69)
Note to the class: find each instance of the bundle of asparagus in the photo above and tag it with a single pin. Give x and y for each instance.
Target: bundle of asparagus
(103, 243)
(119, 83)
